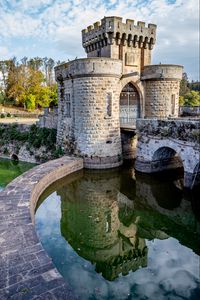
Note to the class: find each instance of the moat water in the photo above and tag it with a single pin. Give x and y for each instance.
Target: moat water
(10, 169)
(120, 235)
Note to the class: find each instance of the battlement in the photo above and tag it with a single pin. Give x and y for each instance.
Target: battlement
(112, 30)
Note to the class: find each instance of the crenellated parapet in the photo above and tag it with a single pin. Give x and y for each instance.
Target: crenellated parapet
(111, 30)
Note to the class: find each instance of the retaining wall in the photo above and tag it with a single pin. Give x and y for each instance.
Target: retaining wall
(27, 272)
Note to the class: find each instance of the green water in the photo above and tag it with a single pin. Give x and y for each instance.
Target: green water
(10, 169)
(119, 235)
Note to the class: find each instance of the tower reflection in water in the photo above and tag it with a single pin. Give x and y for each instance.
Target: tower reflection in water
(98, 221)
(106, 217)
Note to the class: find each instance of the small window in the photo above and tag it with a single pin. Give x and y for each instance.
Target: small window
(173, 97)
(109, 104)
(67, 105)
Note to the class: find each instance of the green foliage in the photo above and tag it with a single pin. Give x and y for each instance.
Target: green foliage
(58, 152)
(192, 98)
(189, 92)
(33, 138)
(5, 151)
(54, 95)
(29, 101)
(29, 83)
(2, 97)
(184, 85)
(181, 100)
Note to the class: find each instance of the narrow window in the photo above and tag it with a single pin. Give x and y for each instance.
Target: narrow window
(173, 104)
(109, 104)
(121, 51)
(67, 105)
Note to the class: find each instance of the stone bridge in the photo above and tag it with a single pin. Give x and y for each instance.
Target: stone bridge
(169, 144)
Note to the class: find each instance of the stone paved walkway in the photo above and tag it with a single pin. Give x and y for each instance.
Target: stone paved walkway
(26, 271)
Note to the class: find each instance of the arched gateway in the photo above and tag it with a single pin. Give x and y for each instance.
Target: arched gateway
(129, 105)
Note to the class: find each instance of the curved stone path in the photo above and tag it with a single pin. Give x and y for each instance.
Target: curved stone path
(26, 271)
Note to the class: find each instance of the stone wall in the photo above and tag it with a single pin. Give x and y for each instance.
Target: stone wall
(162, 90)
(193, 111)
(178, 129)
(158, 98)
(49, 119)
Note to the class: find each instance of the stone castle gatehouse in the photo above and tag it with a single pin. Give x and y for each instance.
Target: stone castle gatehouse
(111, 88)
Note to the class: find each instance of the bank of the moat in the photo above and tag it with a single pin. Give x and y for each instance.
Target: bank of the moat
(27, 272)
(28, 143)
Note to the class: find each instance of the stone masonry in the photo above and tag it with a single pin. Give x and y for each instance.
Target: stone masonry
(132, 43)
(116, 76)
(162, 90)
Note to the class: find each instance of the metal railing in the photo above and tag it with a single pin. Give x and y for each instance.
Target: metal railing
(127, 122)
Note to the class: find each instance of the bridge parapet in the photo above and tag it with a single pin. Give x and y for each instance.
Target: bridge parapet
(169, 144)
(178, 129)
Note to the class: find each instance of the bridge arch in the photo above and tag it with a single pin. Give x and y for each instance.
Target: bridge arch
(164, 152)
(165, 158)
(130, 104)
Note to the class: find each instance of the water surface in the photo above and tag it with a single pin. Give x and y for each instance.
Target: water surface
(10, 169)
(117, 235)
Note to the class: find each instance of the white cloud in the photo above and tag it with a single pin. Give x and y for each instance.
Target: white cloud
(60, 22)
(3, 51)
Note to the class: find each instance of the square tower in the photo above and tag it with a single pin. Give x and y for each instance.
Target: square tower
(125, 41)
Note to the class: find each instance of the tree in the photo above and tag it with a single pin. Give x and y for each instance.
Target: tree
(184, 85)
(54, 95)
(192, 98)
(29, 83)
(29, 101)
(195, 85)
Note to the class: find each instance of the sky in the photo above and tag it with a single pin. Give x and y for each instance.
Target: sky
(52, 28)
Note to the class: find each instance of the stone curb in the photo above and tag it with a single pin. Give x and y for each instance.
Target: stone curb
(26, 271)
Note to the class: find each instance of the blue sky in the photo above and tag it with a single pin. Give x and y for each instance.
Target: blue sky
(52, 28)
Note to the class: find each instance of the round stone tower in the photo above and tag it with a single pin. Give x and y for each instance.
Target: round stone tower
(161, 84)
(89, 111)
